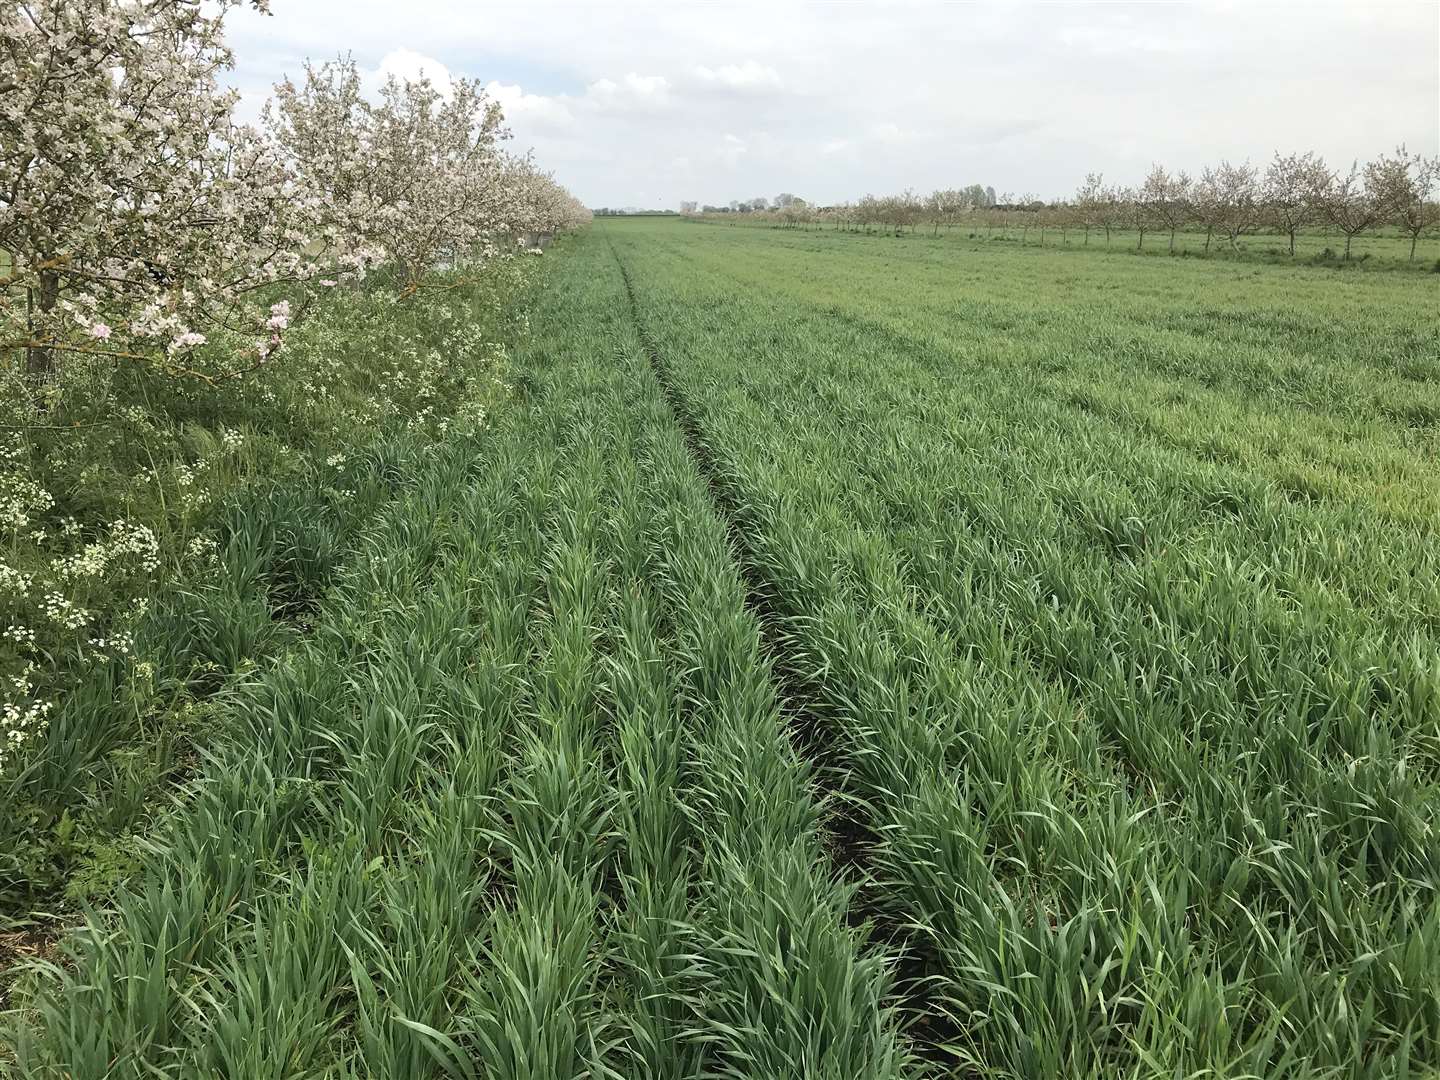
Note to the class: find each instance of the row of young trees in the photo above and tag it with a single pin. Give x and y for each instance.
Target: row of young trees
(795, 210)
(140, 221)
(1293, 193)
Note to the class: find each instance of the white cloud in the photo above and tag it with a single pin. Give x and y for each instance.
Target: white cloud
(633, 92)
(531, 113)
(405, 64)
(631, 103)
(646, 85)
(731, 150)
(890, 132)
(747, 77)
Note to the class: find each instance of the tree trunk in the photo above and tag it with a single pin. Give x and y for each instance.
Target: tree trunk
(1413, 237)
(1348, 238)
(1209, 232)
(1140, 244)
(1172, 241)
(1292, 243)
(40, 359)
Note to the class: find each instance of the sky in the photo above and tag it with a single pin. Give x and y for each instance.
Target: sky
(649, 104)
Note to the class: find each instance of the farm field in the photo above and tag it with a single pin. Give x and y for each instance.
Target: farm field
(1383, 248)
(844, 657)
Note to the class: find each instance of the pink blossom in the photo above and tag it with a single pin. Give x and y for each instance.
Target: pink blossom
(100, 331)
(188, 340)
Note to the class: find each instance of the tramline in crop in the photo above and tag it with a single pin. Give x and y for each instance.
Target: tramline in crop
(1095, 694)
(836, 664)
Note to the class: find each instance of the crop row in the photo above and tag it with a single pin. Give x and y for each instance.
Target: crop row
(1145, 750)
(522, 803)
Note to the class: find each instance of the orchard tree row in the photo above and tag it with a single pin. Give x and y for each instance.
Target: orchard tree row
(140, 220)
(1293, 193)
(788, 205)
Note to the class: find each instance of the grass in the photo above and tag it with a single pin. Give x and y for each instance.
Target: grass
(1113, 590)
(1381, 249)
(837, 658)
(251, 497)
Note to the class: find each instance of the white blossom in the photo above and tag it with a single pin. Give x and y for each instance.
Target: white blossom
(128, 192)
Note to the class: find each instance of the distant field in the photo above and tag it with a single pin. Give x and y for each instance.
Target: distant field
(848, 657)
(1384, 247)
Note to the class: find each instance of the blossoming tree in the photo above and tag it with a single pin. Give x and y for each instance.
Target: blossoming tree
(420, 175)
(540, 206)
(417, 175)
(140, 222)
(141, 225)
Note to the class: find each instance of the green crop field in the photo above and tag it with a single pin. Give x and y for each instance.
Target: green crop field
(845, 657)
(1381, 248)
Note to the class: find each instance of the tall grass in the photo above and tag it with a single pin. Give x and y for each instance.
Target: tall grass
(1143, 741)
(197, 530)
(521, 803)
(831, 662)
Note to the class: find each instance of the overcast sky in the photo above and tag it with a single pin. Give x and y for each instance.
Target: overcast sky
(649, 104)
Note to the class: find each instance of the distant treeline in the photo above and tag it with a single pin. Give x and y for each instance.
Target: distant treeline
(1227, 201)
(975, 194)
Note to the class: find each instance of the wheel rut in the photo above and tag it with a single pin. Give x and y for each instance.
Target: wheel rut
(847, 838)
